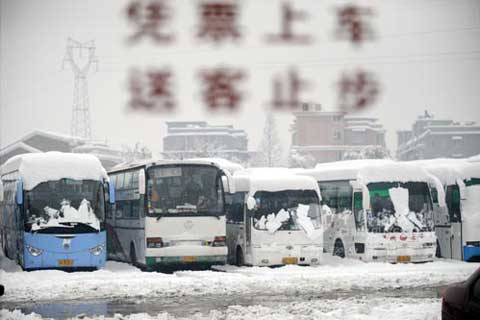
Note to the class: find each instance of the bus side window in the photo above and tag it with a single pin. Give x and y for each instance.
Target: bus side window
(119, 181)
(358, 210)
(453, 203)
(127, 182)
(434, 193)
(236, 208)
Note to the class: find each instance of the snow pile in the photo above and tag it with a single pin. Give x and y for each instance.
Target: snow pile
(404, 218)
(304, 221)
(67, 214)
(36, 168)
(274, 221)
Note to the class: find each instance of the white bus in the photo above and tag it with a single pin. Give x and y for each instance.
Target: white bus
(376, 210)
(274, 219)
(169, 213)
(458, 227)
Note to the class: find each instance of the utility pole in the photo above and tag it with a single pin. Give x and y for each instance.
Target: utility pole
(80, 56)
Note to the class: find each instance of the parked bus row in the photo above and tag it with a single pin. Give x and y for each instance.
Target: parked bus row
(64, 211)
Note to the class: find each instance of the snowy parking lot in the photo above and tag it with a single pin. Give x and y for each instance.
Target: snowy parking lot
(338, 289)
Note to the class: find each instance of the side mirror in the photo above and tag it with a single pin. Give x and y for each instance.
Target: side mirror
(1, 191)
(141, 182)
(111, 193)
(251, 203)
(226, 185)
(19, 197)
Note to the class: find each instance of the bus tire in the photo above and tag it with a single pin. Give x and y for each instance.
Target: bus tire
(239, 261)
(438, 251)
(133, 254)
(339, 249)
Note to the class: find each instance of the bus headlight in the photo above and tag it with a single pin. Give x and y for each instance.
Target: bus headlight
(96, 250)
(34, 251)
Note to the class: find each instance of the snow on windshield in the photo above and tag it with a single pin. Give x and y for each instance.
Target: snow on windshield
(66, 216)
(403, 208)
(300, 216)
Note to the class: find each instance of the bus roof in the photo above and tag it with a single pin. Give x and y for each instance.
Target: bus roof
(448, 171)
(367, 171)
(272, 179)
(224, 164)
(35, 168)
(160, 162)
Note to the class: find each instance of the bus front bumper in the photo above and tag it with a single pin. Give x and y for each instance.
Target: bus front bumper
(200, 255)
(53, 260)
(277, 255)
(400, 255)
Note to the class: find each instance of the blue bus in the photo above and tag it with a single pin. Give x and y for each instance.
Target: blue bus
(52, 211)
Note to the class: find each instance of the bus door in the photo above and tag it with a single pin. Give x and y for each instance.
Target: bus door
(452, 198)
(249, 212)
(442, 225)
(19, 222)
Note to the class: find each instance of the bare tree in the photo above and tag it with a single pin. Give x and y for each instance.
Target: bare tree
(269, 153)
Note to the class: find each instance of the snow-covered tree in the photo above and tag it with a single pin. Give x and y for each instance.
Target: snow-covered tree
(375, 152)
(298, 160)
(269, 153)
(368, 152)
(138, 152)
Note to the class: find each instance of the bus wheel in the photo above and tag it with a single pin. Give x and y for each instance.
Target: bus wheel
(239, 257)
(133, 255)
(339, 249)
(438, 252)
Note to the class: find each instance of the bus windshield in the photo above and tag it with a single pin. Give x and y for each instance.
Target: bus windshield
(400, 207)
(53, 206)
(185, 190)
(280, 210)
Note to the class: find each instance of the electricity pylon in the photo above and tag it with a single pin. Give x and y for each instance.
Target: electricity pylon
(75, 53)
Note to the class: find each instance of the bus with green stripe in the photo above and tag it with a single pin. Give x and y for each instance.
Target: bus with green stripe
(377, 210)
(170, 213)
(457, 228)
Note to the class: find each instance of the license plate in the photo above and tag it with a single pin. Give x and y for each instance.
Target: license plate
(65, 262)
(403, 259)
(189, 259)
(290, 260)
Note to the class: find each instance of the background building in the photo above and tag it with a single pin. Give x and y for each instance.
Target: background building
(44, 141)
(438, 138)
(190, 139)
(332, 136)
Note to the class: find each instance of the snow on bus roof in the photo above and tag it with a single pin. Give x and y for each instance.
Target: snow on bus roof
(367, 171)
(219, 163)
(224, 164)
(448, 171)
(272, 179)
(35, 168)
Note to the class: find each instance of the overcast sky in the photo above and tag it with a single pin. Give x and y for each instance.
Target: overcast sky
(426, 55)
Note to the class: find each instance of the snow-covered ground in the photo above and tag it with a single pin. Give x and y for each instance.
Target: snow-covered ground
(344, 309)
(338, 289)
(120, 280)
